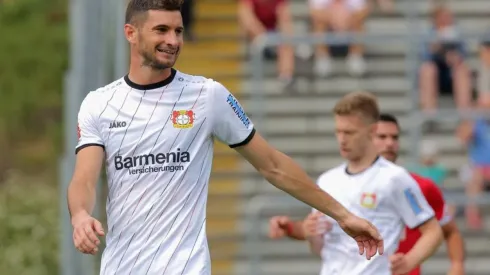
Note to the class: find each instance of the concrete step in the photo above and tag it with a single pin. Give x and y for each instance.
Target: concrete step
(375, 66)
(312, 144)
(292, 104)
(334, 86)
(324, 126)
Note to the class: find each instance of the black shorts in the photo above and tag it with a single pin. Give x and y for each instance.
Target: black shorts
(445, 79)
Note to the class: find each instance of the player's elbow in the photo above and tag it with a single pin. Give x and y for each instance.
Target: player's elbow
(433, 228)
(450, 229)
(273, 170)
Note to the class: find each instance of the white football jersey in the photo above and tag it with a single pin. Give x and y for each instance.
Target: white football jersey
(387, 196)
(158, 141)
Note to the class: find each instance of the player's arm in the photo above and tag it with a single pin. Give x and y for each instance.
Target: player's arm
(81, 191)
(416, 213)
(316, 244)
(282, 172)
(231, 125)
(295, 230)
(452, 235)
(280, 226)
(455, 246)
(89, 158)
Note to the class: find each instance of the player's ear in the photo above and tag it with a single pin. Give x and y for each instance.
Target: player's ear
(373, 129)
(131, 33)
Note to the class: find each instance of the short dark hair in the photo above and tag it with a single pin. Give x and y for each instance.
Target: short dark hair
(141, 7)
(386, 117)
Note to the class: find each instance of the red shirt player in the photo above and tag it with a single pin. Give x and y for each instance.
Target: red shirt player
(436, 200)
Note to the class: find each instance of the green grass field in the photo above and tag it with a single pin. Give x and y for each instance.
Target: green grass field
(33, 55)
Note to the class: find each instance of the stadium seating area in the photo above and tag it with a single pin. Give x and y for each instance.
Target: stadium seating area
(300, 125)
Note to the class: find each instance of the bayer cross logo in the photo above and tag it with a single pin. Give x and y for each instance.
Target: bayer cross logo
(183, 118)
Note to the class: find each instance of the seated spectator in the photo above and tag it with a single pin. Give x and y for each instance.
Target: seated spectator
(475, 135)
(338, 16)
(444, 70)
(258, 17)
(484, 71)
(429, 165)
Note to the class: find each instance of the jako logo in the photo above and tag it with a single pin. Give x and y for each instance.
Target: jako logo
(117, 124)
(238, 110)
(151, 159)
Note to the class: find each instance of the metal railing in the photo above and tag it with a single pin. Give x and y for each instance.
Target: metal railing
(259, 204)
(258, 108)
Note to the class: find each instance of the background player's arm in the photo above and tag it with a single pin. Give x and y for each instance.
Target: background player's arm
(416, 213)
(316, 244)
(455, 245)
(81, 192)
(452, 236)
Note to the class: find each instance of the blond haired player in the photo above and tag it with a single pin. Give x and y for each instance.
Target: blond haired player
(373, 188)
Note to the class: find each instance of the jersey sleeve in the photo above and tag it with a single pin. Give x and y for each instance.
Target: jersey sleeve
(88, 133)
(230, 123)
(409, 201)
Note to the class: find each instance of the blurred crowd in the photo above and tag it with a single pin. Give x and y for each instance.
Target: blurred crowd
(444, 72)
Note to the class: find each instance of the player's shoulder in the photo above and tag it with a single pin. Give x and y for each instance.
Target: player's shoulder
(96, 96)
(393, 172)
(331, 174)
(206, 85)
(390, 168)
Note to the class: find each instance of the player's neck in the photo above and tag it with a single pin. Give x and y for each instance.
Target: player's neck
(364, 162)
(144, 75)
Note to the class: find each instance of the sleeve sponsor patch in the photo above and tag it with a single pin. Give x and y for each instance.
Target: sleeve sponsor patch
(412, 201)
(238, 110)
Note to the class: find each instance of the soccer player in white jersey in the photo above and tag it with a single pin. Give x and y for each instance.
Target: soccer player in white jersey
(373, 188)
(155, 129)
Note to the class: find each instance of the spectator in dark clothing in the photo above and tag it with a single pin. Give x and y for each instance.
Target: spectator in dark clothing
(444, 70)
(188, 18)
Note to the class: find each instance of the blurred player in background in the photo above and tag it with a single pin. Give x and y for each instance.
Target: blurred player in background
(155, 130)
(387, 143)
(373, 188)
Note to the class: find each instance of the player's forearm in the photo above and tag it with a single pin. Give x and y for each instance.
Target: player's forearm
(455, 244)
(286, 175)
(295, 230)
(316, 244)
(427, 245)
(81, 198)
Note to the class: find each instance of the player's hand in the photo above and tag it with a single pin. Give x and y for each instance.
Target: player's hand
(399, 264)
(366, 235)
(314, 225)
(86, 230)
(278, 227)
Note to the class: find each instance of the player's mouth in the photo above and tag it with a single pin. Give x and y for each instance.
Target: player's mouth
(167, 51)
